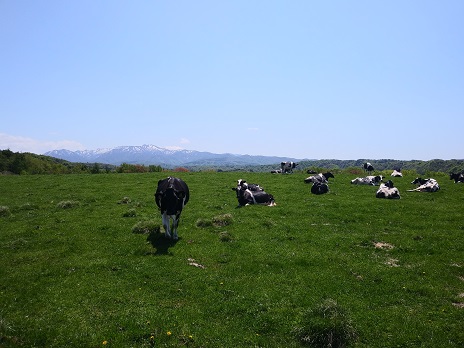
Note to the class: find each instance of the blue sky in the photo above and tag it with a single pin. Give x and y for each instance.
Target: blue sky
(301, 79)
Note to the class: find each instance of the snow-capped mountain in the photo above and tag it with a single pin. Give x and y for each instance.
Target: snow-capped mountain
(151, 154)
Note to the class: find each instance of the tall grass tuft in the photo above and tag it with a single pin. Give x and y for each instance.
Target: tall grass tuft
(67, 204)
(146, 227)
(4, 211)
(327, 325)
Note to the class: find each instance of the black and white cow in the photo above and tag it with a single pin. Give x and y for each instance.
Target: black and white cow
(397, 173)
(287, 167)
(319, 188)
(368, 180)
(276, 171)
(171, 197)
(459, 177)
(246, 196)
(425, 185)
(321, 177)
(388, 190)
(251, 187)
(368, 167)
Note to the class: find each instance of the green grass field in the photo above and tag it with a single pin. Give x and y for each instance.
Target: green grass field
(344, 266)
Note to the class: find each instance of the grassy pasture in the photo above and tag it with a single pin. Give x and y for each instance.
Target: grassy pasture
(73, 273)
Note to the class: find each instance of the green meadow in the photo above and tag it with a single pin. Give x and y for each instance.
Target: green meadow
(83, 263)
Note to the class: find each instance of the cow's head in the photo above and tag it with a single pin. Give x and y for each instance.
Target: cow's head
(389, 184)
(417, 181)
(329, 175)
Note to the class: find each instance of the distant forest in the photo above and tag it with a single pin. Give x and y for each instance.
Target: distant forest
(29, 163)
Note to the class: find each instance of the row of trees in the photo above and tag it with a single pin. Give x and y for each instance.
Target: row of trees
(28, 163)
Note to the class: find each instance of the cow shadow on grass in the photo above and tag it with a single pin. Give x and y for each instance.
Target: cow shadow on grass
(160, 243)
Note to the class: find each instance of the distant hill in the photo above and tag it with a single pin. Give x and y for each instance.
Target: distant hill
(91, 162)
(154, 155)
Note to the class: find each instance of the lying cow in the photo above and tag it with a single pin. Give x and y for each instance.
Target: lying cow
(368, 180)
(397, 173)
(459, 177)
(425, 185)
(276, 171)
(388, 190)
(321, 177)
(319, 188)
(251, 187)
(287, 167)
(246, 196)
(171, 197)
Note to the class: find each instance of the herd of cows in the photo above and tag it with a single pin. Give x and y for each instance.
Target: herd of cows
(172, 194)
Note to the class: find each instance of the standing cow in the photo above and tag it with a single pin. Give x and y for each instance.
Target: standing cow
(368, 167)
(287, 167)
(171, 197)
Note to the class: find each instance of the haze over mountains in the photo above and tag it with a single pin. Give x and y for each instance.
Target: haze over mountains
(151, 154)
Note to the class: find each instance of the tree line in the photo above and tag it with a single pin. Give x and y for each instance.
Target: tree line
(29, 163)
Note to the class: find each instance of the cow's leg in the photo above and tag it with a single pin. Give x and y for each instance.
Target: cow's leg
(175, 223)
(166, 226)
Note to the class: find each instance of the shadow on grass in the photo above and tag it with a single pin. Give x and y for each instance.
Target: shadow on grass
(160, 243)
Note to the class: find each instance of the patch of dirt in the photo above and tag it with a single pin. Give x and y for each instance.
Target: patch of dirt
(383, 245)
(392, 262)
(193, 263)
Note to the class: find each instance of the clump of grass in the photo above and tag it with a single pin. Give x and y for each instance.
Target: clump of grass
(67, 204)
(146, 227)
(222, 220)
(29, 206)
(125, 200)
(327, 325)
(130, 213)
(4, 211)
(203, 223)
(225, 237)
(217, 221)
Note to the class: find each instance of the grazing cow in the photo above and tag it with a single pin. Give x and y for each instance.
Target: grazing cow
(388, 190)
(397, 173)
(425, 185)
(319, 188)
(321, 177)
(287, 167)
(459, 177)
(171, 197)
(368, 167)
(368, 180)
(246, 196)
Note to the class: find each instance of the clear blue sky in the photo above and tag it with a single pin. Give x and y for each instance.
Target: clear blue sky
(302, 79)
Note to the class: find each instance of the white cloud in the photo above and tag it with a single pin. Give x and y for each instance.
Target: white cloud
(184, 141)
(23, 144)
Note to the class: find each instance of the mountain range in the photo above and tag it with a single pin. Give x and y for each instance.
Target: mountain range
(154, 155)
